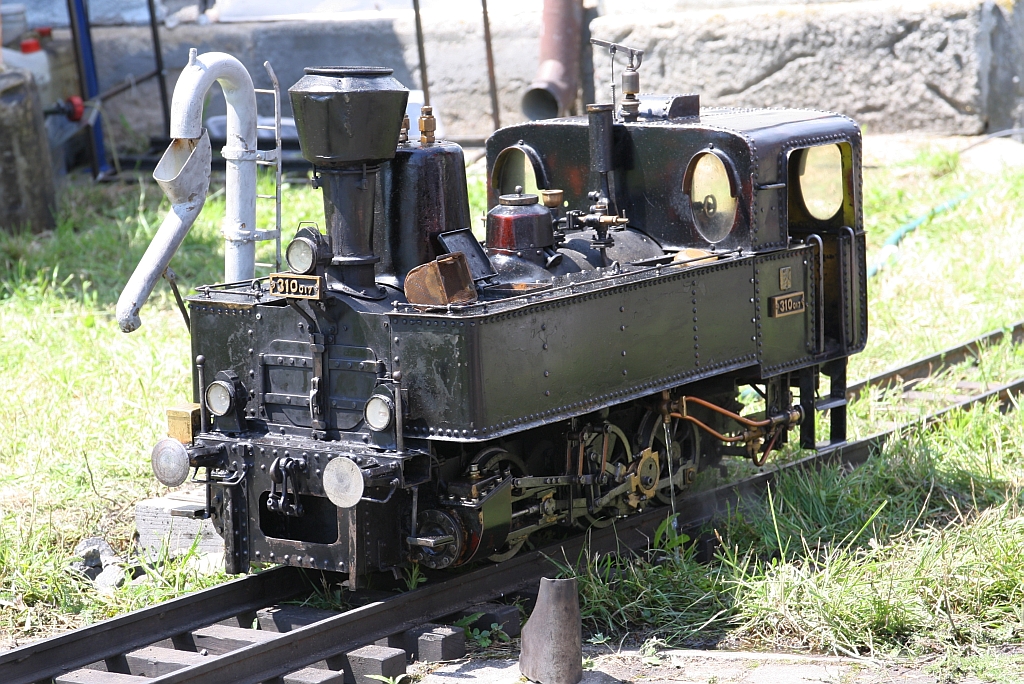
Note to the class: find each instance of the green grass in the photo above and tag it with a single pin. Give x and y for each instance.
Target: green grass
(919, 552)
(916, 553)
(83, 403)
(958, 276)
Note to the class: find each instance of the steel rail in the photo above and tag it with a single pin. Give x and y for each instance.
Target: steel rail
(51, 657)
(327, 638)
(936, 363)
(335, 635)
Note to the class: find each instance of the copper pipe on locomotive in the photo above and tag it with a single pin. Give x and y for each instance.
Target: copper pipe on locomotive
(754, 434)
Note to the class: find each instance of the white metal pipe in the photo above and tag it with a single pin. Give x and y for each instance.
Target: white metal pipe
(184, 175)
(239, 227)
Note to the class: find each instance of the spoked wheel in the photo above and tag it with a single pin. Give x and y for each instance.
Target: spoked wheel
(615, 454)
(683, 439)
(494, 461)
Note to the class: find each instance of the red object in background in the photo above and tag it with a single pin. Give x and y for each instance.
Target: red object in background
(44, 31)
(76, 108)
(30, 45)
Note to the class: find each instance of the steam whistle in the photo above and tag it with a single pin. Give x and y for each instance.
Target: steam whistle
(630, 78)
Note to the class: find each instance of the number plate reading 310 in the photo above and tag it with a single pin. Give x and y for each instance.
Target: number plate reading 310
(785, 305)
(295, 286)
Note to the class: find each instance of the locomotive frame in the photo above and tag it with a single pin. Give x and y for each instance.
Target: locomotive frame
(580, 365)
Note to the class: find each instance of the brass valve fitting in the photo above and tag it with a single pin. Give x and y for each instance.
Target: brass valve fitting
(428, 124)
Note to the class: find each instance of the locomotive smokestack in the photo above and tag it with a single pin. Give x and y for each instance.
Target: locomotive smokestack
(348, 120)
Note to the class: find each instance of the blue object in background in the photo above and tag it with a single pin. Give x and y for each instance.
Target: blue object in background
(91, 86)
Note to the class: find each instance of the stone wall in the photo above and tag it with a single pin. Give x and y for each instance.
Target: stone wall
(948, 67)
(951, 66)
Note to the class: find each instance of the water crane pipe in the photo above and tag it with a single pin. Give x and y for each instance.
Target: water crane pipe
(239, 227)
(184, 175)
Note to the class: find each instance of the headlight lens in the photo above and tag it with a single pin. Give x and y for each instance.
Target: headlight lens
(301, 255)
(821, 180)
(714, 207)
(378, 412)
(219, 397)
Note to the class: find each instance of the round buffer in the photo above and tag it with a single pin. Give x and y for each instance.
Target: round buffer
(343, 482)
(170, 462)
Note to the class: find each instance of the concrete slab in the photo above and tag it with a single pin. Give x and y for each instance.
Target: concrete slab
(996, 156)
(721, 667)
(977, 155)
(157, 525)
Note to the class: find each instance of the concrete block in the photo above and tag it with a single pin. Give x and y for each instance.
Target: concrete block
(428, 642)
(368, 661)
(440, 644)
(399, 640)
(950, 66)
(95, 677)
(507, 617)
(157, 525)
(312, 675)
(154, 661)
(286, 618)
(220, 639)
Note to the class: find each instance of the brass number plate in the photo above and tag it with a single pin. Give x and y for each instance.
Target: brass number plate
(295, 286)
(785, 305)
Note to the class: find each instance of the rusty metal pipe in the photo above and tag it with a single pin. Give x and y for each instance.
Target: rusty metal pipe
(553, 91)
(424, 82)
(492, 83)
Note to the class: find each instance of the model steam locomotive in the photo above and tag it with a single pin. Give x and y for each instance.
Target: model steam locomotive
(405, 394)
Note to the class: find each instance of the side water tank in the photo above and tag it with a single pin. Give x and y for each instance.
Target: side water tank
(27, 196)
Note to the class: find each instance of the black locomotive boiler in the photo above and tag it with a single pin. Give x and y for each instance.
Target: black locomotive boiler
(405, 394)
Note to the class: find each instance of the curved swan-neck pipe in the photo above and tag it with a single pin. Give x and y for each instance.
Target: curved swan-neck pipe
(184, 175)
(239, 227)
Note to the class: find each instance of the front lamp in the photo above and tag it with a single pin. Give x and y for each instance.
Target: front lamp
(301, 255)
(378, 412)
(220, 396)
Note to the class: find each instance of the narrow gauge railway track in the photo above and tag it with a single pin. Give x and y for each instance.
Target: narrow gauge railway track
(134, 642)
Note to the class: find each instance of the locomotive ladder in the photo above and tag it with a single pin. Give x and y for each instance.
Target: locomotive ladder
(272, 158)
